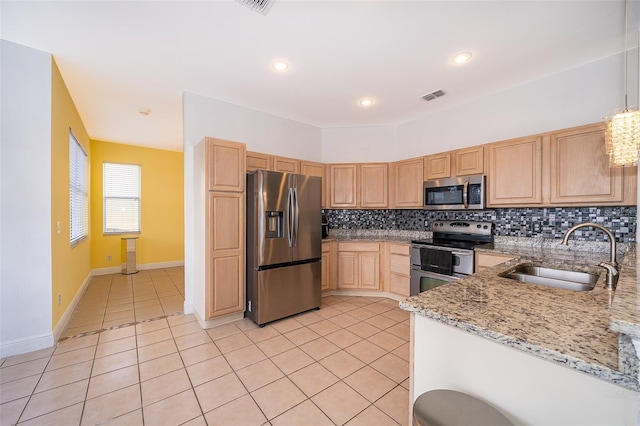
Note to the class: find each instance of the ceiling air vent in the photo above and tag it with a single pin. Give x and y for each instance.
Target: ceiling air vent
(260, 6)
(433, 95)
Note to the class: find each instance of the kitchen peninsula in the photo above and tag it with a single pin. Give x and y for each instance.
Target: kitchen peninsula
(540, 355)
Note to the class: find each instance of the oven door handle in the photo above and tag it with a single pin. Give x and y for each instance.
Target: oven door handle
(465, 194)
(458, 253)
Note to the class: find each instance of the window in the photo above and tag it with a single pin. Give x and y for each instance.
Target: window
(78, 193)
(121, 198)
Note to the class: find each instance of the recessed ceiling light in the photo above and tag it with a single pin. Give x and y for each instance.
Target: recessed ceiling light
(461, 58)
(144, 111)
(366, 102)
(280, 65)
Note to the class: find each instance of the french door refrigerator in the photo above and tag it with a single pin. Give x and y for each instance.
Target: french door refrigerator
(284, 245)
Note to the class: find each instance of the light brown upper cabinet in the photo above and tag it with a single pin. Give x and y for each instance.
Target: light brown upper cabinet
(343, 181)
(311, 168)
(579, 168)
(358, 185)
(374, 184)
(437, 166)
(286, 165)
(515, 172)
(225, 165)
(469, 161)
(258, 161)
(407, 182)
(462, 162)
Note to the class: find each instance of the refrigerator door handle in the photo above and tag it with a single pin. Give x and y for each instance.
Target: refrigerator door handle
(296, 217)
(290, 213)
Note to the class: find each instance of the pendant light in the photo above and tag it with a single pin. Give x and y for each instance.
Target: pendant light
(622, 134)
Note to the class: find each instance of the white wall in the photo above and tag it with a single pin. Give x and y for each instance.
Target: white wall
(261, 132)
(361, 144)
(525, 388)
(578, 96)
(25, 200)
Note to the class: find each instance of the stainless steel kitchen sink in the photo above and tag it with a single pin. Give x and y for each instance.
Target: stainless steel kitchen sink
(559, 278)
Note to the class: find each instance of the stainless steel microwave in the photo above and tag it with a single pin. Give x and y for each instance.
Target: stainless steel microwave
(461, 193)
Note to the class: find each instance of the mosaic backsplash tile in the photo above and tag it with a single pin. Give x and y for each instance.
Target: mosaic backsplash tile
(514, 222)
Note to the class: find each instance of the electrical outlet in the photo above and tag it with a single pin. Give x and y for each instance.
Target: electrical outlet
(58, 227)
(109, 258)
(59, 299)
(426, 223)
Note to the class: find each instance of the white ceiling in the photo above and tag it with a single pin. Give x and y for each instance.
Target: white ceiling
(119, 57)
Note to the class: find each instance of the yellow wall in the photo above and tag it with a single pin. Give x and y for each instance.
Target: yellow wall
(71, 266)
(162, 205)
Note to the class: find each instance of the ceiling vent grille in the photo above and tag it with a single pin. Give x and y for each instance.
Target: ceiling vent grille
(260, 6)
(433, 95)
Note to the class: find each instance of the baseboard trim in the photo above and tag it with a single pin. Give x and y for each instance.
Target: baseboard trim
(30, 344)
(364, 293)
(62, 324)
(142, 267)
(218, 321)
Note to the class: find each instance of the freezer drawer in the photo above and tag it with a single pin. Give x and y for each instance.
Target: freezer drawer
(277, 293)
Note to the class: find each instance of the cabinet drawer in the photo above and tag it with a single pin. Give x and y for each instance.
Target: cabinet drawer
(400, 284)
(399, 249)
(487, 260)
(399, 264)
(353, 246)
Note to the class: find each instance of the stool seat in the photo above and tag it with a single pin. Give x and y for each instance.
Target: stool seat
(444, 407)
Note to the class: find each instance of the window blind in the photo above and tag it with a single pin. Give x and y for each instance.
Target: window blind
(78, 192)
(121, 191)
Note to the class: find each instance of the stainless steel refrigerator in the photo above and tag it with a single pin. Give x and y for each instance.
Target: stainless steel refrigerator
(284, 245)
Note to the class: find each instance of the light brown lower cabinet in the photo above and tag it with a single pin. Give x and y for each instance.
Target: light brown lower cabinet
(399, 278)
(359, 266)
(224, 270)
(486, 260)
(329, 262)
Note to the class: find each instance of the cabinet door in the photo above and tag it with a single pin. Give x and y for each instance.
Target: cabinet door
(225, 248)
(258, 161)
(374, 183)
(470, 161)
(369, 270)
(310, 168)
(225, 165)
(325, 270)
(408, 182)
(437, 166)
(347, 270)
(286, 165)
(580, 171)
(343, 181)
(515, 172)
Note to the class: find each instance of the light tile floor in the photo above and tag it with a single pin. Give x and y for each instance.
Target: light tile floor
(130, 357)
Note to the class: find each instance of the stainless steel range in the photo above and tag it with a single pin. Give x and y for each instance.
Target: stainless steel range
(449, 255)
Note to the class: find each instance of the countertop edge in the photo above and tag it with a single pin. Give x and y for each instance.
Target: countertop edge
(600, 372)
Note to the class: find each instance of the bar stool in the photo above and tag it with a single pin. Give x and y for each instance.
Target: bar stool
(444, 407)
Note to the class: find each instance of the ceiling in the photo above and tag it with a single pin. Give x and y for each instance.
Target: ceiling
(119, 57)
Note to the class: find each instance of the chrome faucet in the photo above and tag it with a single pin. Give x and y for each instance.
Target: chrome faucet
(611, 266)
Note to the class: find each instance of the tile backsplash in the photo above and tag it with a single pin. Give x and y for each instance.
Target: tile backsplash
(514, 222)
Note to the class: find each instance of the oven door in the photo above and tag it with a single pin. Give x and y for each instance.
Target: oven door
(424, 280)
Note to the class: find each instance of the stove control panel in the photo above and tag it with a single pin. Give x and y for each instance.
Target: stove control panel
(462, 227)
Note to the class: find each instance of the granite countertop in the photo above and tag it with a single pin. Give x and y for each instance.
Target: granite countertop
(368, 235)
(567, 327)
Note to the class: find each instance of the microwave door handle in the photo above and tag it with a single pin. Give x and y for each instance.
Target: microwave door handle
(465, 194)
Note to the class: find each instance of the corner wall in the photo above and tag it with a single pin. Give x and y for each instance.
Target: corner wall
(161, 240)
(25, 200)
(70, 266)
(581, 95)
(260, 132)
